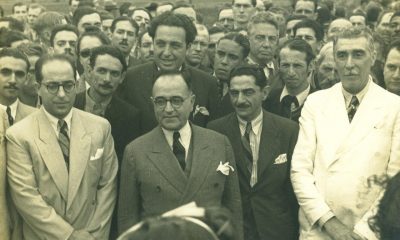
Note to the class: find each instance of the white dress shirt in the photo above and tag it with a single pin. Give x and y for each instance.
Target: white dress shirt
(54, 122)
(185, 137)
(301, 97)
(255, 133)
(13, 107)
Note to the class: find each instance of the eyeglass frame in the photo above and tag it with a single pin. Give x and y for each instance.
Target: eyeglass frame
(59, 84)
(154, 99)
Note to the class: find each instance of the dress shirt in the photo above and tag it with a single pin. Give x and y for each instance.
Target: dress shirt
(269, 65)
(360, 95)
(255, 133)
(13, 107)
(186, 135)
(54, 122)
(301, 97)
(90, 103)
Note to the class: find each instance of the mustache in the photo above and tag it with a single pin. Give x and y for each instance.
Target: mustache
(124, 42)
(106, 85)
(12, 86)
(68, 51)
(242, 105)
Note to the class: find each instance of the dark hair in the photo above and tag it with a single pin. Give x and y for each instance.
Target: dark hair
(47, 19)
(32, 49)
(1, 11)
(253, 2)
(18, 4)
(152, 6)
(13, 23)
(60, 28)
(184, 74)
(164, 4)
(324, 15)
(10, 36)
(358, 14)
(70, 2)
(373, 12)
(251, 70)
(15, 53)
(182, 5)
(314, 1)
(340, 12)
(395, 14)
(108, 50)
(130, 14)
(92, 32)
(104, 15)
(174, 20)
(124, 8)
(295, 17)
(314, 25)
(52, 57)
(216, 29)
(393, 45)
(125, 18)
(299, 45)
(382, 14)
(240, 39)
(81, 12)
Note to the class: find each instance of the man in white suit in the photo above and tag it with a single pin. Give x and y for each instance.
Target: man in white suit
(61, 162)
(348, 134)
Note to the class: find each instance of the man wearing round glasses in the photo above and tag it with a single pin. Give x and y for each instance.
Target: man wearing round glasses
(62, 163)
(177, 162)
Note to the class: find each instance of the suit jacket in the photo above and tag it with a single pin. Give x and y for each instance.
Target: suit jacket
(123, 117)
(137, 90)
(53, 201)
(273, 104)
(4, 224)
(152, 182)
(23, 110)
(334, 159)
(269, 207)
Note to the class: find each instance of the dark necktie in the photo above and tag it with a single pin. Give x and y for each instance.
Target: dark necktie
(246, 145)
(63, 140)
(10, 118)
(179, 150)
(352, 108)
(290, 104)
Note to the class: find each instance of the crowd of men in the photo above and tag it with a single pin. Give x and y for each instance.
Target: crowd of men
(110, 115)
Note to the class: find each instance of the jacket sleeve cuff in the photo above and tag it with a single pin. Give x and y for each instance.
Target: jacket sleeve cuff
(325, 218)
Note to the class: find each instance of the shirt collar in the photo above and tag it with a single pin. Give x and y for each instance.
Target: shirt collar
(13, 107)
(301, 97)
(256, 124)
(54, 121)
(269, 65)
(360, 95)
(92, 102)
(185, 134)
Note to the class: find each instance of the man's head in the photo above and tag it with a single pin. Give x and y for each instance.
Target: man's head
(85, 17)
(146, 47)
(232, 50)
(326, 72)
(384, 21)
(354, 61)
(225, 18)
(124, 34)
(19, 11)
(391, 71)
(357, 19)
(108, 69)
(263, 34)
(310, 31)
(11, 23)
(243, 10)
(306, 8)
(291, 21)
(186, 9)
(164, 7)
(295, 57)
(56, 77)
(14, 68)
(216, 33)
(73, 5)
(63, 39)
(142, 17)
(336, 26)
(34, 10)
(172, 35)
(173, 100)
(248, 89)
(198, 49)
(395, 24)
(106, 21)
(45, 23)
(11, 38)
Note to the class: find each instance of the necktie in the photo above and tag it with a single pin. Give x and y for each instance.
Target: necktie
(63, 140)
(179, 150)
(252, 165)
(10, 118)
(290, 104)
(352, 108)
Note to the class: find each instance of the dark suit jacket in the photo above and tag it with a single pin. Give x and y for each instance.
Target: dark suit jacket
(137, 90)
(224, 106)
(152, 182)
(273, 104)
(270, 207)
(124, 120)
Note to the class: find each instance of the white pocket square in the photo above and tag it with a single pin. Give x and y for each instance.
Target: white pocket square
(98, 154)
(281, 159)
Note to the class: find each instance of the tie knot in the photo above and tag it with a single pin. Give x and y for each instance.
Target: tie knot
(354, 102)
(62, 125)
(248, 127)
(177, 135)
(8, 109)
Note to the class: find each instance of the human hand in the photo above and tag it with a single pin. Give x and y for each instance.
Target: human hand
(338, 231)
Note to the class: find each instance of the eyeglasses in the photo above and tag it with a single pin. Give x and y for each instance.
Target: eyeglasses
(6, 72)
(54, 87)
(176, 101)
(86, 53)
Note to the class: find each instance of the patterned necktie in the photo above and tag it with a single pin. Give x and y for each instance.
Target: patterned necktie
(290, 104)
(179, 150)
(352, 108)
(10, 118)
(252, 165)
(63, 140)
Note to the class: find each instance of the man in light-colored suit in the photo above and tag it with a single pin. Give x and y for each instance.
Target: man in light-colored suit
(61, 162)
(348, 134)
(4, 231)
(177, 162)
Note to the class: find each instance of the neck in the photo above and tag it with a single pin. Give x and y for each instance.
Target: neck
(195, 65)
(296, 91)
(96, 96)
(7, 101)
(241, 25)
(29, 100)
(261, 63)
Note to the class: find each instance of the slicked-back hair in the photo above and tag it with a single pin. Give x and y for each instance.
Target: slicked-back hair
(49, 58)
(246, 69)
(356, 32)
(107, 50)
(299, 45)
(122, 19)
(13, 36)
(253, 2)
(47, 19)
(92, 32)
(80, 12)
(263, 17)
(173, 73)
(240, 39)
(60, 28)
(314, 25)
(36, 6)
(13, 23)
(32, 49)
(174, 20)
(15, 53)
(393, 45)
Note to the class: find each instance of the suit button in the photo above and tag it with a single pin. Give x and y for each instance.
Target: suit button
(158, 189)
(216, 185)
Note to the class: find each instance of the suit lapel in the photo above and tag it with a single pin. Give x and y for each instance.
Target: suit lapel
(51, 154)
(79, 155)
(150, 74)
(166, 162)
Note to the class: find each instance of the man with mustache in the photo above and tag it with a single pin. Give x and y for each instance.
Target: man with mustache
(348, 134)
(124, 33)
(63, 40)
(294, 60)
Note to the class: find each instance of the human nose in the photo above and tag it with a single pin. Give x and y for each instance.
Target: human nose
(107, 77)
(397, 73)
(241, 8)
(197, 47)
(125, 35)
(168, 107)
(61, 91)
(349, 62)
(167, 50)
(241, 98)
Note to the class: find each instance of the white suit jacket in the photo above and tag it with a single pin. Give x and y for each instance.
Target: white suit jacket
(333, 160)
(52, 201)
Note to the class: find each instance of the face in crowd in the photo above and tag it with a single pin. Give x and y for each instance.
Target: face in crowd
(198, 49)
(65, 43)
(242, 11)
(142, 18)
(146, 48)
(263, 39)
(293, 69)
(124, 36)
(228, 55)
(391, 71)
(225, 19)
(86, 45)
(89, 20)
(13, 73)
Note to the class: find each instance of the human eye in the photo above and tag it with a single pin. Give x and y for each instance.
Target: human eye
(233, 57)
(297, 65)
(220, 54)
(248, 92)
(52, 87)
(259, 38)
(20, 74)
(160, 43)
(391, 67)
(234, 93)
(72, 43)
(176, 101)
(98, 24)
(285, 65)
(68, 86)
(101, 70)
(272, 38)
(131, 34)
(115, 74)
(341, 55)
(6, 72)
(176, 45)
(309, 38)
(61, 43)
(160, 101)
(146, 45)
(359, 54)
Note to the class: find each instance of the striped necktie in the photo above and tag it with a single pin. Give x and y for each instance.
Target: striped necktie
(10, 118)
(252, 165)
(352, 108)
(179, 150)
(63, 140)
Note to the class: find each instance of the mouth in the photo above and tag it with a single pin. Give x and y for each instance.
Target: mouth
(11, 88)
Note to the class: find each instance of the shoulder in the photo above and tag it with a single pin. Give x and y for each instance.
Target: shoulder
(89, 120)
(221, 122)
(26, 108)
(142, 68)
(24, 126)
(207, 135)
(200, 75)
(124, 107)
(283, 124)
(146, 140)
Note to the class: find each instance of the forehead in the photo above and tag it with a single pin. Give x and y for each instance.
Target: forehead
(65, 35)
(201, 37)
(305, 31)
(107, 22)
(13, 63)
(263, 28)
(108, 61)
(347, 44)
(393, 56)
(126, 25)
(5, 24)
(290, 24)
(216, 36)
(243, 82)
(74, 2)
(293, 56)
(140, 13)
(188, 11)
(90, 42)
(357, 19)
(226, 13)
(340, 23)
(229, 46)
(171, 85)
(170, 33)
(163, 8)
(395, 19)
(90, 18)
(57, 70)
(242, 2)
(386, 17)
(23, 7)
(305, 5)
(146, 38)
(34, 10)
